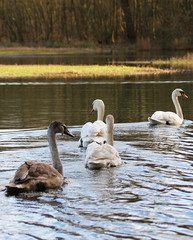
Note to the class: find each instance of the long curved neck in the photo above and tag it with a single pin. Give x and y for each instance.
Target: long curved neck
(177, 106)
(110, 139)
(100, 112)
(57, 164)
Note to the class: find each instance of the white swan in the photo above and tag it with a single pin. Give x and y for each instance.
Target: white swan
(33, 176)
(170, 118)
(103, 155)
(96, 131)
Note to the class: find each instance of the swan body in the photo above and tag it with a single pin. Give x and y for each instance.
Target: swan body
(170, 118)
(96, 131)
(103, 155)
(33, 176)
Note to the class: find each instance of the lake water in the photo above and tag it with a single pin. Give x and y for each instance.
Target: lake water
(89, 57)
(150, 196)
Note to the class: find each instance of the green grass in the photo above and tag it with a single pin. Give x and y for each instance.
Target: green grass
(80, 71)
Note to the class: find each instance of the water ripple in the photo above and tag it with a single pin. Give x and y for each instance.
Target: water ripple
(148, 197)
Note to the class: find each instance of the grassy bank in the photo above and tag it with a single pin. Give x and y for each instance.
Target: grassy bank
(80, 71)
(186, 60)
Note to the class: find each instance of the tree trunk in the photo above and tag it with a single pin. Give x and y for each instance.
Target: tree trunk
(130, 31)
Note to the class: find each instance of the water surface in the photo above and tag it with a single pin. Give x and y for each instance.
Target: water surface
(24, 105)
(111, 57)
(148, 197)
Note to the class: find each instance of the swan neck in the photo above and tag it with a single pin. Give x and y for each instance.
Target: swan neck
(110, 139)
(100, 112)
(57, 164)
(177, 106)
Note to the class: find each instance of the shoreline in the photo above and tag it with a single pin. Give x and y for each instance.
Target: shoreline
(123, 69)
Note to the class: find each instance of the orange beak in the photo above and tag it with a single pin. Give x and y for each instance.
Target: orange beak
(92, 110)
(184, 95)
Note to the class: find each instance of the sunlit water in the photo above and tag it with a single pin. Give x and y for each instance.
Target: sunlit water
(148, 197)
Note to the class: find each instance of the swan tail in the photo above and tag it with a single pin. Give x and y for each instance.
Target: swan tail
(102, 163)
(13, 189)
(95, 164)
(155, 121)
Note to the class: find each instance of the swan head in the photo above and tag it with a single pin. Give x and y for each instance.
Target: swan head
(97, 104)
(58, 127)
(179, 92)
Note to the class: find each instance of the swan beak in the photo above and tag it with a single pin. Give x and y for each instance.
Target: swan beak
(67, 132)
(92, 110)
(184, 95)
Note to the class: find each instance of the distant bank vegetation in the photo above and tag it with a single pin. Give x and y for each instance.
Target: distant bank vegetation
(144, 24)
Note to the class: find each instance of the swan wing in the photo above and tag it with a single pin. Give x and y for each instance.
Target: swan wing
(85, 129)
(31, 170)
(169, 118)
(155, 121)
(22, 173)
(172, 118)
(94, 129)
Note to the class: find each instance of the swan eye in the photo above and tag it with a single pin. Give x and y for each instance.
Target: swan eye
(64, 127)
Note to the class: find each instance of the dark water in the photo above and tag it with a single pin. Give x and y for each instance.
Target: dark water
(129, 100)
(150, 196)
(90, 58)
